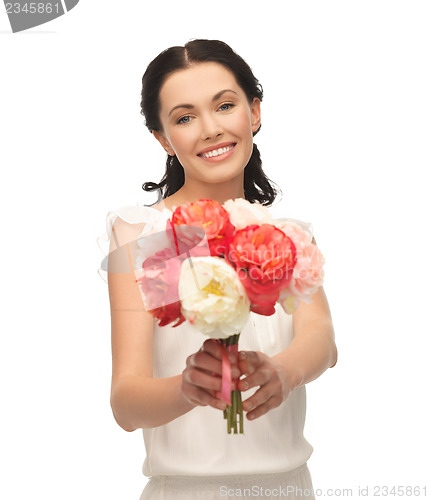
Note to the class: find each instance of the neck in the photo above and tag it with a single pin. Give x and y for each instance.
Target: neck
(220, 192)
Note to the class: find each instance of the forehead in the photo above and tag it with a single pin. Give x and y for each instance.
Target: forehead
(198, 82)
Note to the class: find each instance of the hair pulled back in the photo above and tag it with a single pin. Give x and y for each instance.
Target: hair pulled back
(257, 186)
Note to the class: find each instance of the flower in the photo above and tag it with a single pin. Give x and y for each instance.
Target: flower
(264, 258)
(159, 286)
(298, 231)
(308, 273)
(243, 213)
(212, 217)
(212, 297)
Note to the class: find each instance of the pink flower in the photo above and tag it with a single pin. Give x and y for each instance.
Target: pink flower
(298, 231)
(159, 286)
(308, 273)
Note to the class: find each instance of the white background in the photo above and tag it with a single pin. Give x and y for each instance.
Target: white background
(345, 135)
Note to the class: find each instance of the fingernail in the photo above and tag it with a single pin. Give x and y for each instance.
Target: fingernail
(231, 358)
(242, 355)
(245, 385)
(221, 405)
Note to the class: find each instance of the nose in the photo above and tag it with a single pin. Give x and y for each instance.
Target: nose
(211, 126)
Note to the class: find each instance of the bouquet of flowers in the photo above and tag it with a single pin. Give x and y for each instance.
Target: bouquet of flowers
(216, 263)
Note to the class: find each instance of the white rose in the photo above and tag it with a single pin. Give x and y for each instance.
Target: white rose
(212, 297)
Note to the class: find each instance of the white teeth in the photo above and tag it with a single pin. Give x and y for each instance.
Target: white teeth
(217, 152)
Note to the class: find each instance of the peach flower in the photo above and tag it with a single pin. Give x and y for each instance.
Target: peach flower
(300, 232)
(308, 273)
(243, 213)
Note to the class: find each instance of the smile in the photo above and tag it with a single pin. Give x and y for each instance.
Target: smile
(217, 152)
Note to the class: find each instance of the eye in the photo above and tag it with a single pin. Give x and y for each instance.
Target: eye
(184, 119)
(226, 106)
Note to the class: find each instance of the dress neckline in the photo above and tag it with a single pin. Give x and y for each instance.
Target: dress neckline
(162, 209)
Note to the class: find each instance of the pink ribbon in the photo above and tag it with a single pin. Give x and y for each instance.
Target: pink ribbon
(225, 393)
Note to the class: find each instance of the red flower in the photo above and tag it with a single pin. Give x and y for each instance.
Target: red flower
(212, 217)
(264, 258)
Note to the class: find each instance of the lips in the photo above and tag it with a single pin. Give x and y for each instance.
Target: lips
(217, 149)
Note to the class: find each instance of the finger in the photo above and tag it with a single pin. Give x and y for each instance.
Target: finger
(208, 364)
(201, 397)
(262, 409)
(245, 368)
(205, 361)
(260, 397)
(258, 378)
(202, 380)
(215, 349)
(248, 361)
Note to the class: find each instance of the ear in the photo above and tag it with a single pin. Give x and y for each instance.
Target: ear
(164, 142)
(255, 114)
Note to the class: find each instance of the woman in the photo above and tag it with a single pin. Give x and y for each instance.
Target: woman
(202, 103)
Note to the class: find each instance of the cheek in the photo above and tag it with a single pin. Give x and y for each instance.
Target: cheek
(180, 141)
(243, 126)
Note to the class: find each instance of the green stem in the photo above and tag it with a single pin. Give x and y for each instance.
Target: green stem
(240, 413)
(234, 412)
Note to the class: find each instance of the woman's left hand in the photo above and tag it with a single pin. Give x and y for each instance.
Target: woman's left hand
(272, 377)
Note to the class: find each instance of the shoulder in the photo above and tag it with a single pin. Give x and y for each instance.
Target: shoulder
(126, 223)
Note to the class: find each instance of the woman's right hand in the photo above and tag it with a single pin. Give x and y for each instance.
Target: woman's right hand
(202, 375)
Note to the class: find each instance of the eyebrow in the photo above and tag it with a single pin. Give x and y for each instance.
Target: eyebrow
(214, 98)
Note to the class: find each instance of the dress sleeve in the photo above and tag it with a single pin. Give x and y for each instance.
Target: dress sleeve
(138, 216)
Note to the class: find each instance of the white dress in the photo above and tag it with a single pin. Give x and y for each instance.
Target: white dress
(193, 456)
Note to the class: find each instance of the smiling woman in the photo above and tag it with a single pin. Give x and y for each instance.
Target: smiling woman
(217, 90)
(217, 129)
(202, 104)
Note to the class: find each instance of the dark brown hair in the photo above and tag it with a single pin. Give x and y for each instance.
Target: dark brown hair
(257, 186)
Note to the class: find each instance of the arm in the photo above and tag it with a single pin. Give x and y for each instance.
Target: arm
(313, 349)
(141, 403)
(139, 400)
